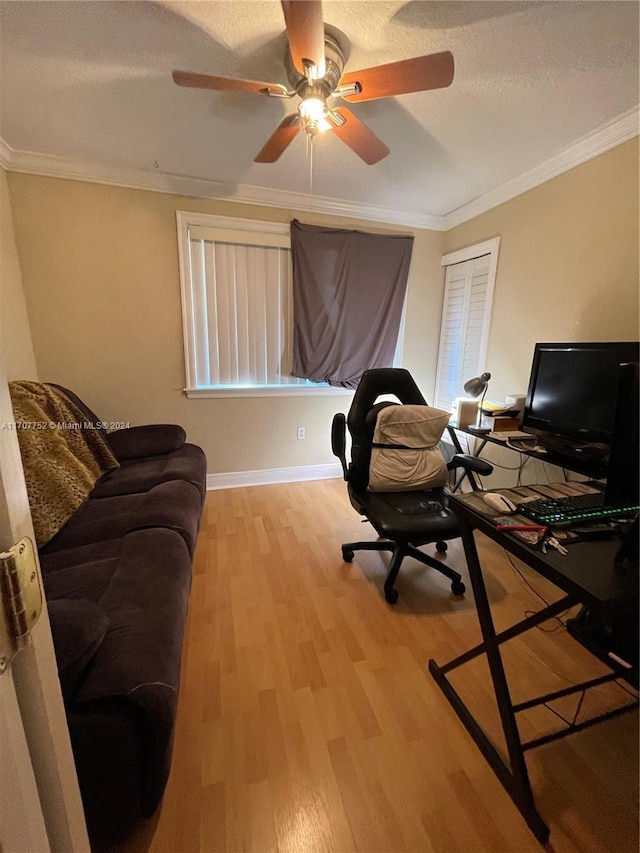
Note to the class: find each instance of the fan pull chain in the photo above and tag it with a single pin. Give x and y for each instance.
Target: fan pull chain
(310, 164)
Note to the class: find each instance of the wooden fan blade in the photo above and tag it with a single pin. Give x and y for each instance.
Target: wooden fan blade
(398, 78)
(206, 81)
(359, 137)
(305, 32)
(279, 140)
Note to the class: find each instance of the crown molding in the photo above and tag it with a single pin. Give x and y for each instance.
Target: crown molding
(621, 129)
(615, 132)
(51, 166)
(245, 194)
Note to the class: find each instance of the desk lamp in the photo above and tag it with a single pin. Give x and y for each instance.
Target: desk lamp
(475, 387)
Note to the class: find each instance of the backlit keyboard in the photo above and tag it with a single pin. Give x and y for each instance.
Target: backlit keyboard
(574, 510)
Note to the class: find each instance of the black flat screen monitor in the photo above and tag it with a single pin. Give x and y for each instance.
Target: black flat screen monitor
(572, 390)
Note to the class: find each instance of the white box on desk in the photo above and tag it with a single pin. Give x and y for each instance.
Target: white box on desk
(464, 412)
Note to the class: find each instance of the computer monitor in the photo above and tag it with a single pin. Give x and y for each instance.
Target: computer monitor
(571, 399)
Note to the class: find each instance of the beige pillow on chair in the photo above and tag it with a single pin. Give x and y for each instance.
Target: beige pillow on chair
(407, 458)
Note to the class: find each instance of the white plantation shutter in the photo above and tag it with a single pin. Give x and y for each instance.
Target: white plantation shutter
(237, 303)
(466, 313)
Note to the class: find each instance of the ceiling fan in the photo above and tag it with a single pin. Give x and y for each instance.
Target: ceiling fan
(314, 64)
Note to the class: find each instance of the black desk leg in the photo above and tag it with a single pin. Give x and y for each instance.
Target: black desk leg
(515, 777)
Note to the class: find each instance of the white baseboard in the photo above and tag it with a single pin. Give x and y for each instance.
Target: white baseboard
(269, 476)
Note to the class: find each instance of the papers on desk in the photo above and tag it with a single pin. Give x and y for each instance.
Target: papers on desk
(498, 410)
(531, 537)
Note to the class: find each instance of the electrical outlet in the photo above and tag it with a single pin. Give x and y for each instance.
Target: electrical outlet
(302, 433)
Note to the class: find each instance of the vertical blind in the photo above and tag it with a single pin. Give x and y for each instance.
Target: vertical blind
(464, 328)
(242, 313)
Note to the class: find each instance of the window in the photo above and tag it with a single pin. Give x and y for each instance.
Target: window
(466, 314)
(237, 308)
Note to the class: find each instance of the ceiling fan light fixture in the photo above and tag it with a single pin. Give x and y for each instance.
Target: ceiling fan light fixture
(313, 112)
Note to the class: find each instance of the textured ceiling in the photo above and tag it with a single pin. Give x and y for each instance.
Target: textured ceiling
(91, 81)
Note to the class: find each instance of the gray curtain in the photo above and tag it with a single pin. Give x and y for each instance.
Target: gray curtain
(348, 292)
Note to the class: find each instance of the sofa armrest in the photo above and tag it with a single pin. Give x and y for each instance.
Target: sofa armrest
(151, 440)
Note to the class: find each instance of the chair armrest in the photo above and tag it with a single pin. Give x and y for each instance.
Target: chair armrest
(470, 463)
(152, 440)
(338, 440)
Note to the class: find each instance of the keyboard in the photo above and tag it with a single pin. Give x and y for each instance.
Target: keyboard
(576, 509)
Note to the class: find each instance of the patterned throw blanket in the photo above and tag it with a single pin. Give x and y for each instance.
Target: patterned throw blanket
(62, 456)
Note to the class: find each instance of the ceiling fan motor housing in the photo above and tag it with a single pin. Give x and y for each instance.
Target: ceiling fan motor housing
(325, 86)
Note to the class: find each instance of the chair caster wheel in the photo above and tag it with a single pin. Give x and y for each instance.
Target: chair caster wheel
(441, 547)
(347, 555)
(391, 595)
(458, 588)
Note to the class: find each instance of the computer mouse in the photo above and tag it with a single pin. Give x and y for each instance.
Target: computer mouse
(499, 502)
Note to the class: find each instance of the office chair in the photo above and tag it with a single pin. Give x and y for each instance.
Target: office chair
(404, 520)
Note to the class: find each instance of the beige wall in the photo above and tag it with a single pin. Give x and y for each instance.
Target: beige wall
(100, 272)
(568, 265)
(100, 269)
(15, 335)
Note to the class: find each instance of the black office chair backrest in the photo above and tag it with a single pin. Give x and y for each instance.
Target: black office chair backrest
(363, 412)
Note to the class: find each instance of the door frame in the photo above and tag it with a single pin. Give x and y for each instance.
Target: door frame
(40, 786)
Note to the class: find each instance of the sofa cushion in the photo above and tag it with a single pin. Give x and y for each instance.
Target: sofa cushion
(78, 629)
(187, 464)
(175, 505)
(80, 573)
(151, 440)
(144, 581)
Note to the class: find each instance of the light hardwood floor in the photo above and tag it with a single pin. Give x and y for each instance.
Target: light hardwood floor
(308, 720)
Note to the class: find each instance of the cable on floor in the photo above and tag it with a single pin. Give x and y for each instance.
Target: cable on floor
(561, 625)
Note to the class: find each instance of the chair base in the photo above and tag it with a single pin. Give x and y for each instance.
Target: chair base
(400, 550)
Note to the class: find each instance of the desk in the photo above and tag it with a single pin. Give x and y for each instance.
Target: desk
(590, 466)
(587, 576)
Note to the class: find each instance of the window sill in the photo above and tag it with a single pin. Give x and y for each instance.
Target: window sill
(266, 391)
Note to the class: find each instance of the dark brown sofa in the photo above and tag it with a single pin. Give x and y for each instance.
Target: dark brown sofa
(117, 578)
